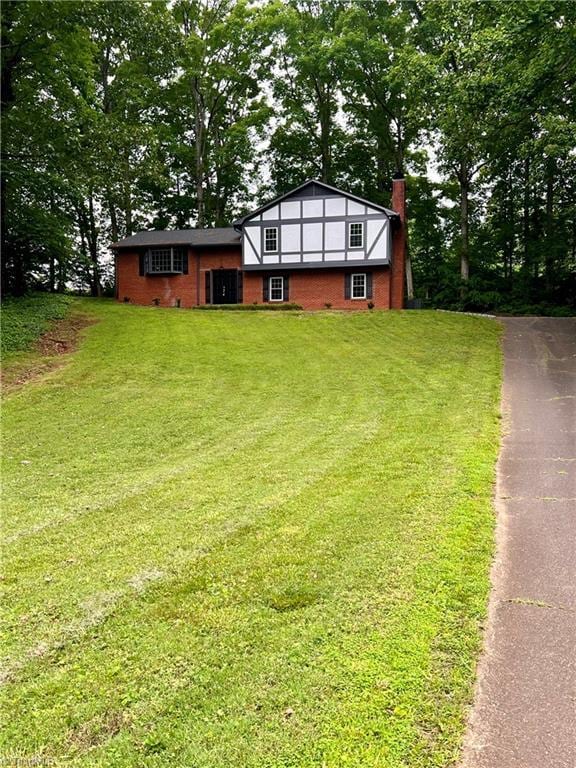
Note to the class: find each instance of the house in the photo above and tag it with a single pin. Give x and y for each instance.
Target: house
(316, 246)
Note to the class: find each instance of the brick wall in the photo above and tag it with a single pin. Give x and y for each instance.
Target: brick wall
(311, 288)
(314, 288)
(190, 288)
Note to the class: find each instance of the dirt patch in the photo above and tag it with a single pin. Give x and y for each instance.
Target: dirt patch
(47, 354)
(98, 730)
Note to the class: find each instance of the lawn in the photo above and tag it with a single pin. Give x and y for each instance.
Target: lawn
(250, 539)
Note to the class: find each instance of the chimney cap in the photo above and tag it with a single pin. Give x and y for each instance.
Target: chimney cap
(398, 175)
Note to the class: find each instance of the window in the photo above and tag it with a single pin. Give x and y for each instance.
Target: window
(276, 289)
(359, 286)
(271, 240)
(166, 260)
(356, 235)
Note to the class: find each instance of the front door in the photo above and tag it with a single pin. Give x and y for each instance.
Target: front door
(224, 286)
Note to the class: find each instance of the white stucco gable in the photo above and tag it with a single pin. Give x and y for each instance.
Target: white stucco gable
(316, 225)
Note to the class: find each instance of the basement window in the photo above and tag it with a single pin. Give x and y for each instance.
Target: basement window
(359, 286)
(271, 240)
(166, 261)
(276, 289)
(356, 234)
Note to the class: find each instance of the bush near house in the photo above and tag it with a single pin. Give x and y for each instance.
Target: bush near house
(251, 307)
(252, 539)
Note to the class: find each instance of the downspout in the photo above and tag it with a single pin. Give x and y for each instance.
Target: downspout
(238, 227)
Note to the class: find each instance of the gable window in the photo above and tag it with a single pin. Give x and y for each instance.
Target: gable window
(165, 260)
(356, 234)
(359, 285)
(276, 289)
(270, 239)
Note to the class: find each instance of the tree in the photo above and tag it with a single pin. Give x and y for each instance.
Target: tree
(308, 137)
(44, 70)
(214, 108)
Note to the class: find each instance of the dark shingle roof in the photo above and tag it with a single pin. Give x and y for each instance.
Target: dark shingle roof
(192, 237)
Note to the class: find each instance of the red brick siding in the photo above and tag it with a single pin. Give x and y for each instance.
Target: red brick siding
(314, 288)
(145, 289)
(311, 288)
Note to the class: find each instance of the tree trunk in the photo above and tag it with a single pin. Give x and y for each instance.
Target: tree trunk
(382, 170)
(95, 288)
(509, 246)
(409, 276)
(200, 138)
(113, 218)
(61, 285)
(51, 273)
(7, 254)
(127, 198)
(325, 142)
(549, 256)
(12, 270)
(526, 216)
(464, 222)
(399, 149)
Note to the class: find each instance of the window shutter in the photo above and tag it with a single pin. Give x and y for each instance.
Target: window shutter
(184, 261)
(239, 285)
(265, 285)
(208, 286)
(142, 263)
(286, 288)
(347, 286)
(368, 285)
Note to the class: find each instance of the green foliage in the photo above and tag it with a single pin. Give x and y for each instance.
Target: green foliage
(250, 307)
(25, 319)
(250, 539)
(119, 116)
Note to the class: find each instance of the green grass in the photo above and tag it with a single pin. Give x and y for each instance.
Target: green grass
(250, 539)
(25, 319)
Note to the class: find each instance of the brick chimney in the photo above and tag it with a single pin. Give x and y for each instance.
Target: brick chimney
(398, 243)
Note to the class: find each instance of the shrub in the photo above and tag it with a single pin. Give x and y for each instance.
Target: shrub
(250, 307)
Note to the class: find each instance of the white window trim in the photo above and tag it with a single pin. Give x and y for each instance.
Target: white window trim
(350, 223)
(275, 277)
(358, 274)
(270, 250)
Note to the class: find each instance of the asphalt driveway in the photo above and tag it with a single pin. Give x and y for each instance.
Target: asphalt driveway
(525, 709)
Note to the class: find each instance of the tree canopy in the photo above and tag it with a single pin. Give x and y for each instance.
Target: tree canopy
(119, 116)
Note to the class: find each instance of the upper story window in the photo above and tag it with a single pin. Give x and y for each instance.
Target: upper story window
(166, 260)
(276, 289)
(356, 234)
(271, 240)
(359, 286)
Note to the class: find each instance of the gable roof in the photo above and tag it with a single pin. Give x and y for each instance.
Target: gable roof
(192, 237)
(316, 188)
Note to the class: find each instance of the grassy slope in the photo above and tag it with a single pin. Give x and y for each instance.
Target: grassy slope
(251, 539)
(25, 319)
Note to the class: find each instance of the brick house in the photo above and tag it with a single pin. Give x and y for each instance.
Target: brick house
(316, 246)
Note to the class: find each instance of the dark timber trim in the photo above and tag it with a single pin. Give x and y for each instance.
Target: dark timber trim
(357, 265)
(239, 223)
